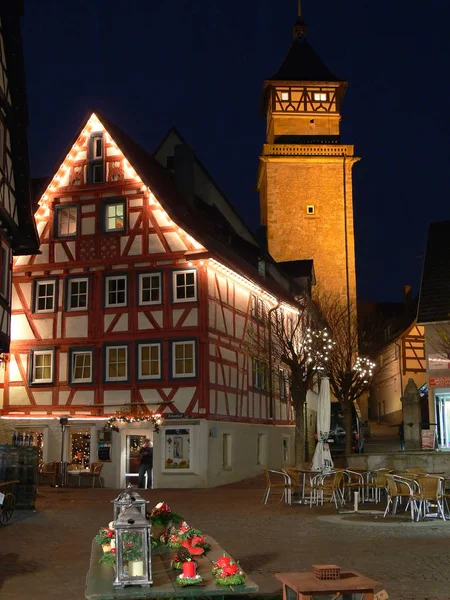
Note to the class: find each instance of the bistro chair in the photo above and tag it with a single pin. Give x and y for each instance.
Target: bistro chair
(354, 481)
(398, 489)
(377, 483)
(415, 470)
(94, 472)
(430, 492)
(329, 484)
(285, 485)
(48, 469)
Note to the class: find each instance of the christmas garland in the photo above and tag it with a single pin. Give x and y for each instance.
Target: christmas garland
(111, 423)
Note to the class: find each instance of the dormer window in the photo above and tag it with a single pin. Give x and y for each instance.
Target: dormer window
(96, 159)
(320, 96)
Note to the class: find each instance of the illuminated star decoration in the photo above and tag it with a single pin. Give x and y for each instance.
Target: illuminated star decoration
(364, 366)
(318, 346)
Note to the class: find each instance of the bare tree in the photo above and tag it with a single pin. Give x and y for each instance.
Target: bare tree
(291, 340)
(350, 375)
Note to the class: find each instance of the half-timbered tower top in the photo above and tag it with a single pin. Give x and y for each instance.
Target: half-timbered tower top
(305, 87)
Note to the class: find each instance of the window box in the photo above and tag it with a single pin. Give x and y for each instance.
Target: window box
(184, 285)
(149, 289)
(184, 359)
(42, 368)
(149, 360)
(114, 216)
(116, 361)
(77, 293)
(116, 288)
(66, 220)
(81, 365)
(45, 295)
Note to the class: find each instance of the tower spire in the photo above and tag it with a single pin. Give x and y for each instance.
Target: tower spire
(299, 29)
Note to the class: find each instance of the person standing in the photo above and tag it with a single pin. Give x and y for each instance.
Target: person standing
(146, 463)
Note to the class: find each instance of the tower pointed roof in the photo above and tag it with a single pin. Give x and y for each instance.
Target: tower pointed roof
(302, 63)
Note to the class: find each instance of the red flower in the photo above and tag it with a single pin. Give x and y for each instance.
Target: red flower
(113, 550)
(110, 534)
(198, 539)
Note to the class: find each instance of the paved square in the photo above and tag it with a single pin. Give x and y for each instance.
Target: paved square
(45, 555)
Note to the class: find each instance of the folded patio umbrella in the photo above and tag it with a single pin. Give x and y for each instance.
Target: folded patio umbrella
(322, 460)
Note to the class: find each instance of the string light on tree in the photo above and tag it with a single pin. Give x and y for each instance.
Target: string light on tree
(364, 366)
(318, 346)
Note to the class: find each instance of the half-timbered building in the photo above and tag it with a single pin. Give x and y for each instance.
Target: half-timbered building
(137, 305)
(17, 230)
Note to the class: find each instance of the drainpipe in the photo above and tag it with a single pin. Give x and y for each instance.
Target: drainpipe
(269, 319)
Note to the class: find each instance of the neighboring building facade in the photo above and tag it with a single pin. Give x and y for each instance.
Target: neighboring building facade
(139, 303)
(305, 173)
(434, 316)
(18, 233)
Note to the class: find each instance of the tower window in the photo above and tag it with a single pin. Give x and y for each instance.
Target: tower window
(285, 95)
(310, 210)
(320, 96)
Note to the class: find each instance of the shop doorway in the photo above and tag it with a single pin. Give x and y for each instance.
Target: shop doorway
(443, 420)
(132, 443)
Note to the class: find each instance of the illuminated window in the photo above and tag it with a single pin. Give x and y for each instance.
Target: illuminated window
(260, 380)
(114, 216)
(184, 286)
(116, 363)
(115, 290)
(149, 361)
(77, 293)
(80, 447)
(320, 96)
(183, 359)
(44, 295)
(310, 210)
(66, 220)
(150, 290)
(41, 362)
(81, 362)
(285, 96)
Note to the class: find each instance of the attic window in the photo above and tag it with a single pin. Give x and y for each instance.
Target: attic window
(285, 96)
(320, 96)
(310, 210)
(96, 159)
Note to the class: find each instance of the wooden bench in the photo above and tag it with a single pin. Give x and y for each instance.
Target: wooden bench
(99, 580)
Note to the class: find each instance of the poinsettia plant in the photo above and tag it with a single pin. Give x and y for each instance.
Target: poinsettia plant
(162, 514)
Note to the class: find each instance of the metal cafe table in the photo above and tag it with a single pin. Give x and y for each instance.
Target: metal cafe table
(99, 580)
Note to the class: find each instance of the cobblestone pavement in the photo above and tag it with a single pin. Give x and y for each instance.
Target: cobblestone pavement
(45, 554)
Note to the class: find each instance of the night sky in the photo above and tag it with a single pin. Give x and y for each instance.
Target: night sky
(200, 65)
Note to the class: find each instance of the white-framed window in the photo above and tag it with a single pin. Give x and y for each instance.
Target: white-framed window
(310, 209)
(177, 449)
(116, 363)
(5, 283)
(260, 380)
(97, 146)
(185, 286)
(66, 220)
(150, 288)
(320, 96)
(45, 295)
(282, 384)
(184, 359)
(226, 451)
(114, 216)
(78, 293)
(42, 365)
(258, 308)
(81, 365)
(116, 290)
(149, 361)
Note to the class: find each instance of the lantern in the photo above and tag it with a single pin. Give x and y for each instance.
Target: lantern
(129, 497)
(133, 549)
(326, 582)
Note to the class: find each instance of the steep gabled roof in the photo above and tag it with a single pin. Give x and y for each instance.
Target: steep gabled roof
(434, 301)
(239, 255)
(302, 63)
